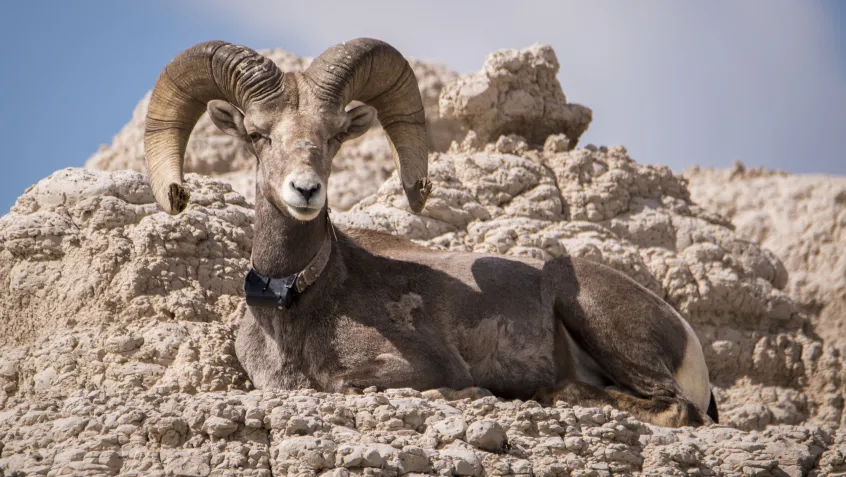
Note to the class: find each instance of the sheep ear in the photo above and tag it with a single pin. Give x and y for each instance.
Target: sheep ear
(361, 118)
(227, 118)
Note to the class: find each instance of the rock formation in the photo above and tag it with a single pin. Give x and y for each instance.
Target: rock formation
(801, 218)
(516, 92)
(117, 320)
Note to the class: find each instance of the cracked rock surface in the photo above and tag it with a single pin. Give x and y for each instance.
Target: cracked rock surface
(801, 218)
(391, 434)
(117, 324)
(516, 92)
(137, 352)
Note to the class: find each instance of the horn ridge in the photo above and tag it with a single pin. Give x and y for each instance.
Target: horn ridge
(199, 74)
(374, 72)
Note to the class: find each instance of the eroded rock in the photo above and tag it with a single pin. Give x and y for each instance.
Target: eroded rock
(118, 320)
(601, 205)
(132, 434)
(801, 218)
(516, 92)
(103, 291)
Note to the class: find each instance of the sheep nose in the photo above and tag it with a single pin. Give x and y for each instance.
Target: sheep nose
(307, 191)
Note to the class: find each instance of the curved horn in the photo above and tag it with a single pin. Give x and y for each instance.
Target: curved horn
(375, 73)
(206, 71)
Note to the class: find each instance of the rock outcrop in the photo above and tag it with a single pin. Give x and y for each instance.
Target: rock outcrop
(391, 434)
(130, 368)
(801, 218)
(114, 295)
(117, 323)
(516, 92)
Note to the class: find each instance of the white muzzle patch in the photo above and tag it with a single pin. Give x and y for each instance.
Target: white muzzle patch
(304, 195)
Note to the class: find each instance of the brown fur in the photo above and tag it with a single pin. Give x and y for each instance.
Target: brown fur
(484, 321)
(388, 313)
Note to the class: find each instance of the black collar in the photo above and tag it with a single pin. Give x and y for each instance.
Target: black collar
(267, 292)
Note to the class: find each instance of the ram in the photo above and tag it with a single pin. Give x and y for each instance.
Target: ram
(341, 310)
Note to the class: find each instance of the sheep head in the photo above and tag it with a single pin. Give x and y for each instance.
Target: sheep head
(294, 123)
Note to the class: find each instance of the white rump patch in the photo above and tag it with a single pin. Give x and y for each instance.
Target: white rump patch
(692, 375)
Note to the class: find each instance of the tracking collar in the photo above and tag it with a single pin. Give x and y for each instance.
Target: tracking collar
(267, 292)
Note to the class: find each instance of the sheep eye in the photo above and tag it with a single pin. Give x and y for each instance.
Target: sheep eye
(256, 137)
(340, 137)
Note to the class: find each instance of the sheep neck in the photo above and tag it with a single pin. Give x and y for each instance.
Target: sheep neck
(283, 245)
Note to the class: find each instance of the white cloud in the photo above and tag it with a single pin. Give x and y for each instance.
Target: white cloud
(678, 83)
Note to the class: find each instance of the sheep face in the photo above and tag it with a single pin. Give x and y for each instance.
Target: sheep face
(294, 143)
(294, 123)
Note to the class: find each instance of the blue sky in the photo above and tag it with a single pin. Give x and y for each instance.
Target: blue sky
(677, 83)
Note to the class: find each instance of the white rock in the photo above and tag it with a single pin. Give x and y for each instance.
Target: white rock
(486, 435)
(118, 316)
(219, 426)
(451, 428)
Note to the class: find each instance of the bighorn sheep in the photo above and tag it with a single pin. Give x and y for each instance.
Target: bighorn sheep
(352, 308)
